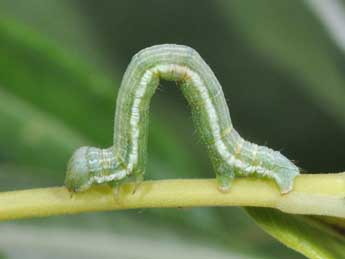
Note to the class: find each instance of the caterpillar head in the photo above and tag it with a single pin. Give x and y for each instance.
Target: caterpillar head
(78, 171)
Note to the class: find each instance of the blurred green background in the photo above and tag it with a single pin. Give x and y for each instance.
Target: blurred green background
(281, 65)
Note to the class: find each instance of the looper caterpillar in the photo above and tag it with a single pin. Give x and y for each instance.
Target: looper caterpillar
(230, 154)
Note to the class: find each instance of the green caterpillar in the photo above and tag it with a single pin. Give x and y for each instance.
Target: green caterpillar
(230, 154)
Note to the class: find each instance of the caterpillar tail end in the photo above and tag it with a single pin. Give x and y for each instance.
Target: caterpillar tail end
(283, 174)
(285, 179)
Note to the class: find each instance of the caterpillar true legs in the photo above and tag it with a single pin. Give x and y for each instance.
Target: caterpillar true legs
(230, 154)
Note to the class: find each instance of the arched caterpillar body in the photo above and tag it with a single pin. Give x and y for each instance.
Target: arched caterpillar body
(230, 154)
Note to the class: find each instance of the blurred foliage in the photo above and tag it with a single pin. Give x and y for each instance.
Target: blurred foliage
(305, 234)
(284, 40)
(281, 73)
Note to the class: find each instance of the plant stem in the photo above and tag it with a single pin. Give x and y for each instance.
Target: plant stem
(317, 194)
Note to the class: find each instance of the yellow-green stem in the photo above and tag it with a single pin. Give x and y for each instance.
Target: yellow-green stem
(318, 194)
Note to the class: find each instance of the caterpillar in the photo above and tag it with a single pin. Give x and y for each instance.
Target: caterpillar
(230, 154)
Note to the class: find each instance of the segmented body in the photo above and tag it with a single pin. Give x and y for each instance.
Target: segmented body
(230, 154)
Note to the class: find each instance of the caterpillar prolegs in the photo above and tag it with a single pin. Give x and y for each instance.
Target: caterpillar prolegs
(230, 154)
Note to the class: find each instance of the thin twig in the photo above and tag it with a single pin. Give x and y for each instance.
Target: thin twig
(318, 194)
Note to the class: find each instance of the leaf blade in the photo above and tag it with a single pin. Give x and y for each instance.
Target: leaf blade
(301, 233)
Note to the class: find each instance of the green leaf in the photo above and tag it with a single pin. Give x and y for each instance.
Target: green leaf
(30, 65)
(288, 34)
(31, 136)
(70, 32)
(308, 236)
